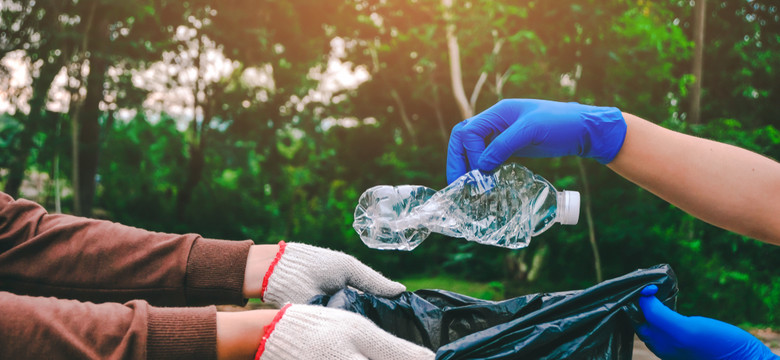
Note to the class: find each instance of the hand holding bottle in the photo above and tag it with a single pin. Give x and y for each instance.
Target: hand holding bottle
(672, 336)
(534, 128)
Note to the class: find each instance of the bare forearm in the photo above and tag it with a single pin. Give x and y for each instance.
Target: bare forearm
(258, 261)
(239, 333)
(721, 184)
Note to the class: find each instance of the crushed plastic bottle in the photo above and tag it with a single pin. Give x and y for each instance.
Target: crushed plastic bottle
(505, 208)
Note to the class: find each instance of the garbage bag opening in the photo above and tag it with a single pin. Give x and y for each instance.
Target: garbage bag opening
(594, 323)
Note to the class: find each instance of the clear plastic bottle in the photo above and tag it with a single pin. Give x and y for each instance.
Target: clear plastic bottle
(505, 208)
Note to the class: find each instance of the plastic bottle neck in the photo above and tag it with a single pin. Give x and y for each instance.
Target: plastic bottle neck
(568, 212)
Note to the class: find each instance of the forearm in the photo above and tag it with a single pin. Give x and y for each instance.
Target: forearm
(259, 260)
(239, 333)
(721, 184)
(49, 328)
(99, 261)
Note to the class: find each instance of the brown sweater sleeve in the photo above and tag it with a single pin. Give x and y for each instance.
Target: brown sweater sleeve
(92, 260)
(49, 328)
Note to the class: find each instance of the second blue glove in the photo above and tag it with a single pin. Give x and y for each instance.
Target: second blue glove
(672, 336)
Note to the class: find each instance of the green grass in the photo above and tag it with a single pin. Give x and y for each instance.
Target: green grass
(488, 291)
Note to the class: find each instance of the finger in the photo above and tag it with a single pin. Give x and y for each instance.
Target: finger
(643, 331)
(659, 315)
(476, 133)
(377, 344)
(514, 138)
(369, 280)
(657, 341)
(649, 290)
(456, 154)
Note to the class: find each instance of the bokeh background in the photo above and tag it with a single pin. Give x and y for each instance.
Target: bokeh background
(266, 120)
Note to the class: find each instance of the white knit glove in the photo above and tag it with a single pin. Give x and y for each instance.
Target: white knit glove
(302, 332)
(302, 271)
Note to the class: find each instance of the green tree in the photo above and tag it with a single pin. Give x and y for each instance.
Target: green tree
(41, 29)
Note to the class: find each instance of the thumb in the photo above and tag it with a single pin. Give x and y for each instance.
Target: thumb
(377, 344)
(660, 316)
(515, 137)
(366, 279)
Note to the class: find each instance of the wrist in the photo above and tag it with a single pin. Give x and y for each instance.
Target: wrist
(268, 329)
(258, 268)
(239, 334)
(607, 129)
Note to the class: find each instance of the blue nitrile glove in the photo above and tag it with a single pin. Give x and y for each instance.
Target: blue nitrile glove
(534, 128)
(672, 336)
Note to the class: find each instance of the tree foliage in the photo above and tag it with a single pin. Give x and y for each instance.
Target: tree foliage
(266, 147)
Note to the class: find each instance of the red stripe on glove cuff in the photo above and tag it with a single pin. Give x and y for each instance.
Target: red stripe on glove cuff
(268, 329)
(278, 257)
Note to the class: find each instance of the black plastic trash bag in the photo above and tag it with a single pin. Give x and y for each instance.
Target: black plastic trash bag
(594, 323)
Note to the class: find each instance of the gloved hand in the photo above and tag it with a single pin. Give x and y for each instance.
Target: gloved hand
(317, 332)
(672, 336)
(534, 128)
(302, 271)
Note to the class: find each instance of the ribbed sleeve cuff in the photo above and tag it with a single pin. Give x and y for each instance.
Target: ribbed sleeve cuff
(182, 333)
(215, 272)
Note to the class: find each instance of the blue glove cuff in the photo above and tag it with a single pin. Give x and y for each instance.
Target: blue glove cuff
(607, 129)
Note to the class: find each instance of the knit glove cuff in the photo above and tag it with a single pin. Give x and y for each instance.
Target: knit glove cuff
(302, 271)
(317, 332)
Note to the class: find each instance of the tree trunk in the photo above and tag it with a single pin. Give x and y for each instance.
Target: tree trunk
(195, 167)
(536, 263)
(56, 170)
(589, 217)
(586, 197)
(89, 135)
(404, 116)
(24, 142)
(497, 45)
(520, 272)
(699, 20)
(197, 146)
(75, 113)
(194, 174)
(197, 160)
(443, 131)
(83, 180)
(456, 73)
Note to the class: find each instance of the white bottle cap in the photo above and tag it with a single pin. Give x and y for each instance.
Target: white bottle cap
(569, 208)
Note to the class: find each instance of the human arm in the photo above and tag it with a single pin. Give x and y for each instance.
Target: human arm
(96, 260)
(724, 185)
(50, 328)
(71, 257)
(672, 336)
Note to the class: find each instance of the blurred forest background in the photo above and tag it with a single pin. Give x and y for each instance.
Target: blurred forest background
(266, 119)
